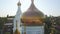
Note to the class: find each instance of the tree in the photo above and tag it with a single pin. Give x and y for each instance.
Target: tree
(2, 21)
(47, 25)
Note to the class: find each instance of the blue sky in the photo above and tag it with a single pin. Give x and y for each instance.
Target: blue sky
(48, 7)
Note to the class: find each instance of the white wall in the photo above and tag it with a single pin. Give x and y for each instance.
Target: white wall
(33, 29)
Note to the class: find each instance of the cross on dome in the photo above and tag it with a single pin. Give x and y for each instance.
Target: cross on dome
(19, 0)
(32, 1)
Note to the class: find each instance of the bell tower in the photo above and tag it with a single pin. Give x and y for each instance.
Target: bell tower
(17, 21)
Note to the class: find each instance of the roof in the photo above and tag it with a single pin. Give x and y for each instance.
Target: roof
(33, 11)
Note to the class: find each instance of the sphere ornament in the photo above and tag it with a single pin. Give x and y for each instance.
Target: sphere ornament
(19, 4)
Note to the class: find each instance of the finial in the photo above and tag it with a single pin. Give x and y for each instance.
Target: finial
(19, 4)
(19, 0)
(32, 1)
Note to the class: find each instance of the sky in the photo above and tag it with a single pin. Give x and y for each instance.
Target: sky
(48, 7)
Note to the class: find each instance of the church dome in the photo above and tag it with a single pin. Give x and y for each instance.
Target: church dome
(32, 16)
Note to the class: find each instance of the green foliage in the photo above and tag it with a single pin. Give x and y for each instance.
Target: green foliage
(2, 21)
(7, 32)
(58, 21)
(47, 25)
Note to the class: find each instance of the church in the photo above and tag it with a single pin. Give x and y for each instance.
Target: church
(29, 22)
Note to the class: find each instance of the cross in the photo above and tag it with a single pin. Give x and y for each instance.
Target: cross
(32, 1)
(19, 0)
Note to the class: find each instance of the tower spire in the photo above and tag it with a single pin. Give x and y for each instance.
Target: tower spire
(17, 21)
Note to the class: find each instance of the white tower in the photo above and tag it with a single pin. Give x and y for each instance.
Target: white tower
(17, 21)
